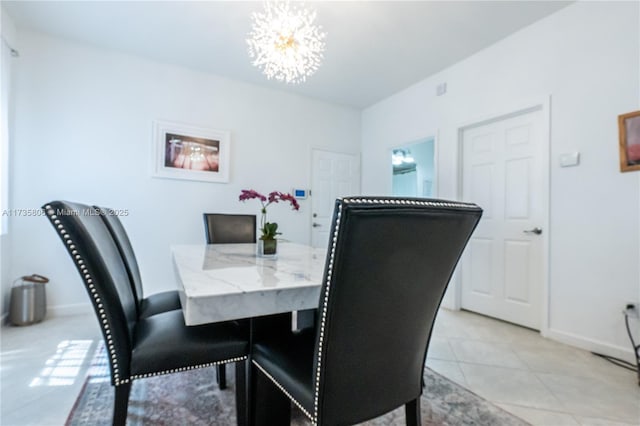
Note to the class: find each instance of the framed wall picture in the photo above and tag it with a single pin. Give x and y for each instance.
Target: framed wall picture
(629, 127)
(188, 152)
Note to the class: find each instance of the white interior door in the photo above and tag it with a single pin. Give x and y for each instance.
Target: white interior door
(333, 175)
(504, 163)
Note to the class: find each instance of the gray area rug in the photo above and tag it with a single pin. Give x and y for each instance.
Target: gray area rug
(193, 398)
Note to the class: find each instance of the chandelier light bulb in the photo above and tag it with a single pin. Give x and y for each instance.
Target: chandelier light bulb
(285, 43)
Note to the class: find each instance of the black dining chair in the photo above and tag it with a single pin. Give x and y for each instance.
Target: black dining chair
(229, 228)
(137, 347)
(388, 265)
(156, 303)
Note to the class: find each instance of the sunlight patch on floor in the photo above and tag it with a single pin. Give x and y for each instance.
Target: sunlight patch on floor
(63, 367)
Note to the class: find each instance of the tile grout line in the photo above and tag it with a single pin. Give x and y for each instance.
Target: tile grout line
(457, 361)
(536, 374)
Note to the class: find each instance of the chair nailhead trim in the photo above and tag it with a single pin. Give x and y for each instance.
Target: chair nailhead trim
(180, 369)
(324, 314)
(80, 264)
(429, 203)
(275, 382)
(104, 322)
(402, 202)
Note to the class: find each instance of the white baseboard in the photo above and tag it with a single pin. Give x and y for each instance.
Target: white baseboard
(67, 310)
(592, 345)
(59, 311)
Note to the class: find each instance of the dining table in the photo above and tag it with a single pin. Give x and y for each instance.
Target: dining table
(221, 282)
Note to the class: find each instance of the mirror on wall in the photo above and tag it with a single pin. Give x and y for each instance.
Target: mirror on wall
(414, 169)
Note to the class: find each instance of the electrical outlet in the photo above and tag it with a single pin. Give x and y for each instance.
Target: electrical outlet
(631, 310)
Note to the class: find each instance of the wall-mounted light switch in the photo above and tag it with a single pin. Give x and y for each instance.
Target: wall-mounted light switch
(569, 159)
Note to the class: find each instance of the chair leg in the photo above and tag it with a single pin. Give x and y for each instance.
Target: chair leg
(221, 376)
(268, 406)
(412, 412)
(121, 404)
(241, 394)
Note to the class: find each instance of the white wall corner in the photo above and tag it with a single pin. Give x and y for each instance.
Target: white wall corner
(8, 28)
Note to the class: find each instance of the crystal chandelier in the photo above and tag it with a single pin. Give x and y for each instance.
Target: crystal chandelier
(284, 42)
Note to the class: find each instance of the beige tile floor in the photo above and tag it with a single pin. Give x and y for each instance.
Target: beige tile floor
(43, 367)
(539, 380)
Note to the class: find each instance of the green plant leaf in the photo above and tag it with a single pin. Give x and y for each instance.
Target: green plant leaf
(269, 231)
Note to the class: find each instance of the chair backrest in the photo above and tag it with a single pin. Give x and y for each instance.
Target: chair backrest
(98, 260)
(120, 237)
(388, 266)
(229, 228)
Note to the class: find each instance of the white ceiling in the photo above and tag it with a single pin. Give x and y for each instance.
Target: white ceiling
(373, 49)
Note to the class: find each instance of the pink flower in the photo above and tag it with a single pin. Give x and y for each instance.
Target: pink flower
(290, 198)
(273, 197)
(251, 194)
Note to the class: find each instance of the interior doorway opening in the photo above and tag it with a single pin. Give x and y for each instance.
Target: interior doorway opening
(413, 169)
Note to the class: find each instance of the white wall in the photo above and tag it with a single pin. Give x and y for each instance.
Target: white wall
(585, 57)
(9, 36)
(83, 131)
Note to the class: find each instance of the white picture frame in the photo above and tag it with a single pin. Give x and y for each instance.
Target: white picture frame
(182, 151)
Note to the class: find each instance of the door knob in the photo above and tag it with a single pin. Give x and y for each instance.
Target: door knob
(315, 225)
(535, 230)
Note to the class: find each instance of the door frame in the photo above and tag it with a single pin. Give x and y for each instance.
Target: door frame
(435, 135)
(542, 104)
(313, 148)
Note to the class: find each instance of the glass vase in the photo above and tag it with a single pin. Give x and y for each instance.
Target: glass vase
(267, 248)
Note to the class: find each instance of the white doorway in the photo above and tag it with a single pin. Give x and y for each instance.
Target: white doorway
(334, 175)
(505, 170)
(413, 169)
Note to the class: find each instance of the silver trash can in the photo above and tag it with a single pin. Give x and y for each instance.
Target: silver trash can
(28, 300)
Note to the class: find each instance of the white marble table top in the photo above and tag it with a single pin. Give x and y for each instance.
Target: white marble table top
(220, 282)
